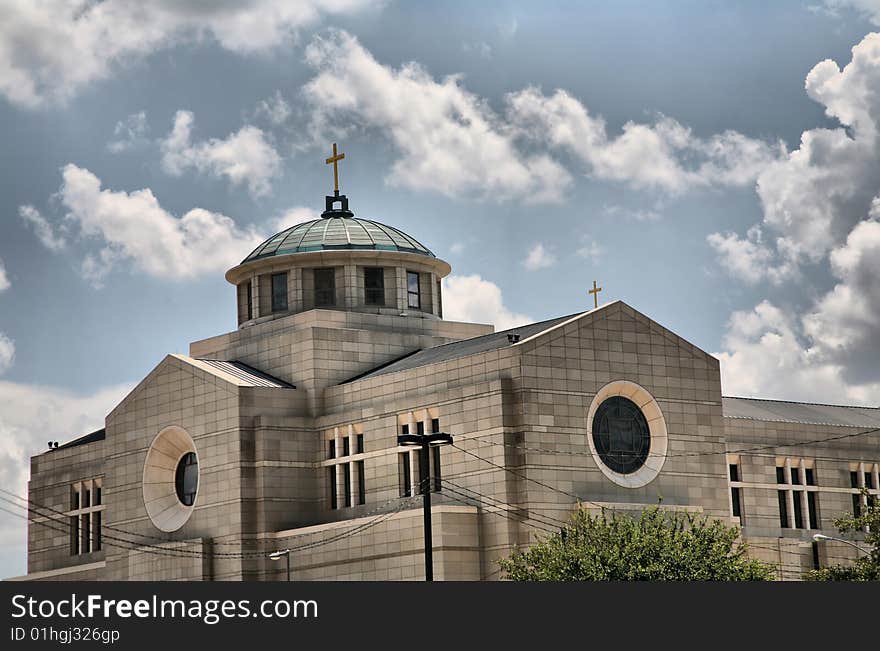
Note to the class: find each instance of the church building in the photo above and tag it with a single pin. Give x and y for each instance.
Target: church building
(278, 442)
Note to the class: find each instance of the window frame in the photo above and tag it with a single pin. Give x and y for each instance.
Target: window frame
(410, 293)
(324, 296)
(374, 295)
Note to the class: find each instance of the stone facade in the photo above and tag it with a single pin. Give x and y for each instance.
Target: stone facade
(294, 419)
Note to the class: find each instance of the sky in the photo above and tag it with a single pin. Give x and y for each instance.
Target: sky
(714, 164)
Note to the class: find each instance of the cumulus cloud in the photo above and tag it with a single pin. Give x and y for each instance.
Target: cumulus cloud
(135, 228)
(50, 49)
(292, 217)
(129, 133)
(451, 141)
(870, 9)
(589, 249)
(4, 280)
(813, 197)
(828, 353)
(244, 157)
(448, 139)
(473, 299)
(30, 416)
(749, 259)
(820, 206)
(664, 155)
(7, 353)
(539, 257)
(50, 236)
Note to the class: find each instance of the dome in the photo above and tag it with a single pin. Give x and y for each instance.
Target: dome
(337, 233)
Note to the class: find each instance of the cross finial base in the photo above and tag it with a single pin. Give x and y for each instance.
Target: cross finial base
(330, 205)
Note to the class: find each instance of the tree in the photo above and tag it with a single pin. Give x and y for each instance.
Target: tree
(867, 566)
(657, 545)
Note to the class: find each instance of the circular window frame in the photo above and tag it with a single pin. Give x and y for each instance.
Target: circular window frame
(656, 427)
(166, 511)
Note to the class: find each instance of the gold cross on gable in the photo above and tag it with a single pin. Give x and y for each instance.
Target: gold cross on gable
(334, 159)
(595, 292)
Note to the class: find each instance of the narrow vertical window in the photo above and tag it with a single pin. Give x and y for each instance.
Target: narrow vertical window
(783, 509)
(325, 287)
(435, 425)
(374, 285)
(413, 295)
(796, 476)
(345, 447)
(74, 535)
(811, 476)
(404, 474)
(436, 476)
(362, 483)
(420, 427)
(331, 477)
(439, 301)
(780, 475)
(74, 498)
(798, 510)
(96, 533)
(279, 292)
(856, 497)
(359, 444)
(813, 510)
(404, 429)
(346, 475)
(869, 481)
(86, 533)
(98, 495)
(86, 500)
(332, 450)
(424, 469)
(249, 297)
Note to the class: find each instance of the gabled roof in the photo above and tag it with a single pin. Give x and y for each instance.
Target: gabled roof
(235, 372)
(800, 412)
(456, 349)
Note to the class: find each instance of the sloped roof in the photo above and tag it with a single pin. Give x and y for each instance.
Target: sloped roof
(456, 349)
(97, 435)
(237, 373)
(800, 412)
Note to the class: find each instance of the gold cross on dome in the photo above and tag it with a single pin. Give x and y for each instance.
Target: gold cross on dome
(334, 159)
(595, 292)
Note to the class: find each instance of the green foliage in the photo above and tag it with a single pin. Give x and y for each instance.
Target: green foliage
(657, 545)
(867, 565)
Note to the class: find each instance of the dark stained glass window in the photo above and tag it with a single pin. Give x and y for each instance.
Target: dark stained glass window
(374, 285)
(813, 510)
(734, 472)
(279, 292)
(186, 478)
(346, 475)
(780, 475)
(405, 479)
(798, 510)
(735, 502)
(332, 450)
(325, 287)
(435, 425)
(621, 435)
(420, 427)
(362, 483)
(811, 477)
(331, 477)
(413, 298)
(359, 447)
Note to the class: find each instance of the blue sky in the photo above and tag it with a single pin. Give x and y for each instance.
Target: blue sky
(711, 163)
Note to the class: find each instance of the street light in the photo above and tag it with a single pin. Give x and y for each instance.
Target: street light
(822, 537)
(425, 442)
(276, 556)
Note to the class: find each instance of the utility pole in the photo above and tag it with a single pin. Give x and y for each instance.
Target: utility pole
(276, 556)
(424, 442)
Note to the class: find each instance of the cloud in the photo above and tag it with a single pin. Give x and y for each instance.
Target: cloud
(50, 236)
(749, 259)
(539, 257)
(869, 9)
(49, 50)
(292, 217)
(448, 139)
(813, 197)
(664, 155)
(589, 249)
(472, 299)
(827, 354)
(275, 109)
(451, 141)
(7, 353)
(457, 248)
(129, 133)
(4, 280)
(243, 157)
(134, 227)
(30, 416)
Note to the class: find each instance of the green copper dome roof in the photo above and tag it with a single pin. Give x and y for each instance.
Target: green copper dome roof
(337, 233)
